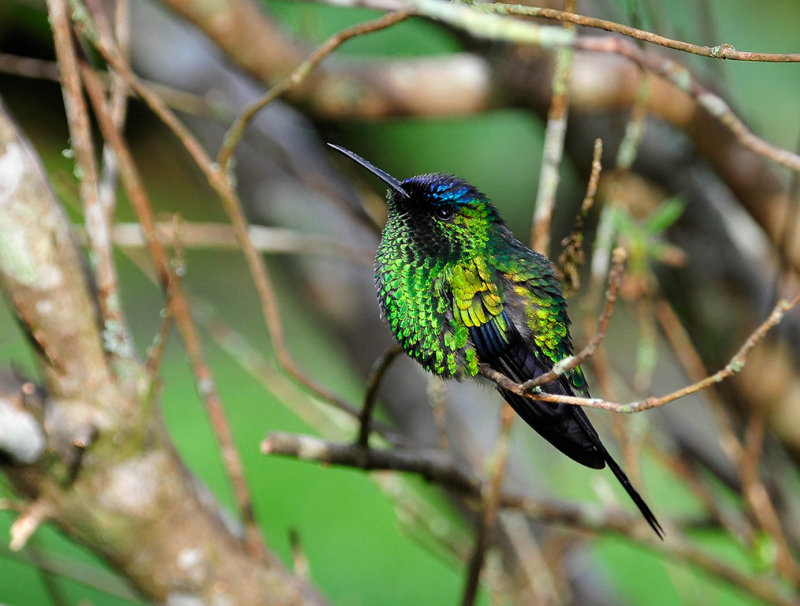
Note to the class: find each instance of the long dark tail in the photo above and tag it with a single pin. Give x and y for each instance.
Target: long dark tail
(565, 426)
(621, 476)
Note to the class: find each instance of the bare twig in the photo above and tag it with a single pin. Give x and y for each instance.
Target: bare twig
(759, 501)
(437, 396)
(39, 69)
(298, 75)
(116, 339)
(696, 371)
(683, 79)
(433, 466)
(734, 366)
(553, 148)
(180, 311)
(272, 240)
(572, 256)
(33, 515)
(300, 563)
(436, 467)
(118, 103)
(614, 280)
(721, 51)
(491, 500)
(379, 368)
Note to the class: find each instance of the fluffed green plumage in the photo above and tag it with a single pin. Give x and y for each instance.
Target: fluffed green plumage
(459, 290)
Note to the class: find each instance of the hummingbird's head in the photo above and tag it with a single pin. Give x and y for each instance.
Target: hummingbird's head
(443, 214)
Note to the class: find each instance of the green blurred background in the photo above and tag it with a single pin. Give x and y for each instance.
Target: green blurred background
(361, 552)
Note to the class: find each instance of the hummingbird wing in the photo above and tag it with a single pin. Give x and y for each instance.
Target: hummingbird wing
(537, 336)
(493, 306)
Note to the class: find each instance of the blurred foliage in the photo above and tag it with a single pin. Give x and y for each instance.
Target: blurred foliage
(359, 554)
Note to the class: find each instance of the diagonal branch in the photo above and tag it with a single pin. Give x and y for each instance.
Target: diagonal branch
(733, 367)
(298, 76)
(721, 51)
(232, 205)
(131, 499)
(180, 310)
(437, 467)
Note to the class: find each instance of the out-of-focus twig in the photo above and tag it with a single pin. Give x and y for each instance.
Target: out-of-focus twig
(273, 240)
(118, 104)
(572, 257)
(298, 75)
(491, 499)
(40, 69)
(437, 467)
(759, 501)
(117, 341)
(721, 51)
(553, 148)
(180, 311)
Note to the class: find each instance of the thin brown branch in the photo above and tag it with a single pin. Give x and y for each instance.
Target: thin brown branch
(33, 515)
(721, 51)
(437, 467)
(618, 257)
(379, 368)
(471, 19)
(239, 347)
(683, 79)
(116, 340)
(759, 501)
(233, 207)
(40, 69)
(634, 128)
(29, 67)
(437, 397)
(434, 466)
(261, 47)
(553, 148)
(180, 311)
(733, 367)
(298, 76)
(491, 500)
(118, 103)
(696, 371)
(572, 256)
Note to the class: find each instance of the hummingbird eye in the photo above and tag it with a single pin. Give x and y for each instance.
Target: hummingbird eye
(443, 213)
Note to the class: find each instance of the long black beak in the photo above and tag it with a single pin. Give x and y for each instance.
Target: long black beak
(381, 174)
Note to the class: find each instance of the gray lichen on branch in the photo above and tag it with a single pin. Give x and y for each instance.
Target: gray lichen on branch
(112, 479)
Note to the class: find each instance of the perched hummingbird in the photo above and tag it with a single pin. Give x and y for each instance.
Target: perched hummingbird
(459, 290)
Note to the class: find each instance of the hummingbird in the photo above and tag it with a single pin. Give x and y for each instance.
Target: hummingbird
(458, 290)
